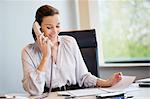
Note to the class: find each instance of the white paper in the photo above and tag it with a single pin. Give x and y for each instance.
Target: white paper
(111, 94)
(121, 85)
(63, 93)
(83, 92)
(132, 87)
(146, 80)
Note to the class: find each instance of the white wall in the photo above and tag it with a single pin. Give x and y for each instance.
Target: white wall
(16, 18)
(0, 46)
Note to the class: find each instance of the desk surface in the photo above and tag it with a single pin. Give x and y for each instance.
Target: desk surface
(139, 93)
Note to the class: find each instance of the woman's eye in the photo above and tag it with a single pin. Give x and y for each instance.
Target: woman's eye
(49, 27)
(57, 26)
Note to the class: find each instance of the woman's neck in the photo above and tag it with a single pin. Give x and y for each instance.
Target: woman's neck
(54, 40)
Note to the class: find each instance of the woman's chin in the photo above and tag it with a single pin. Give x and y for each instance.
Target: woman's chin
(53, 37)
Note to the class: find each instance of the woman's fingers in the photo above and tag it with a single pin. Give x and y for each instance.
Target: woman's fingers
(42, 40)
(118, 75)
(116, 78)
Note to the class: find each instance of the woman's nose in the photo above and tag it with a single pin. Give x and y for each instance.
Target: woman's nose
(55, 30)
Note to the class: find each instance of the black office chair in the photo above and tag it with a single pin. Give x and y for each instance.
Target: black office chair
(86, 40)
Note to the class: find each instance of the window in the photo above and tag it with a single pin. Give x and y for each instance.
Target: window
(125, 30)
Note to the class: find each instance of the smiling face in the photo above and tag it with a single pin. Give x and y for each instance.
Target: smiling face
(51, 27)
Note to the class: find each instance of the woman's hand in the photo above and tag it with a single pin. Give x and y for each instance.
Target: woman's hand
(44, 45)
(115, 78)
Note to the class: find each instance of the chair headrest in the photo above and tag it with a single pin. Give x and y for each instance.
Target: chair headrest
(84, 38)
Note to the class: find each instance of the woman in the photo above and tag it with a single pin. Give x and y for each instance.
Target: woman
(56, 66)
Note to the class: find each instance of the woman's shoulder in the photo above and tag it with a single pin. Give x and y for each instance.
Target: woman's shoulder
(30, 47)
(68, 39)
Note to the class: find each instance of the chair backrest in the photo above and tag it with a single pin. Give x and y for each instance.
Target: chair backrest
(87, 43)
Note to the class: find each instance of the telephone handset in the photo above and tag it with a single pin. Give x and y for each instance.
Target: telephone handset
(36, 28)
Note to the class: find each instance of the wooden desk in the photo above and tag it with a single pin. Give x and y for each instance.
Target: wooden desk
(140, 93)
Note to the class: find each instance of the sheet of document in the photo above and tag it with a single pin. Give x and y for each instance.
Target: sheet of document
(132, 87)
(82, 92)
(121, 85)
(146, 80)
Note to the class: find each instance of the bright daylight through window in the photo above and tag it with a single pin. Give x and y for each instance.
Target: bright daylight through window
(125, 30)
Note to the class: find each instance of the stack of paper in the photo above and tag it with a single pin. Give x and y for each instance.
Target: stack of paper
(82, 92)
(120, 86)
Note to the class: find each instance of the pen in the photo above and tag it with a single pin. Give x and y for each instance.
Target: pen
(8, 97)
(70, 97)
(129, 97)
(64, 95)
(3, 97)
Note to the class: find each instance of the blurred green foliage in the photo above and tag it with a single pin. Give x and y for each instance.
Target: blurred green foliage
(125, 28)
